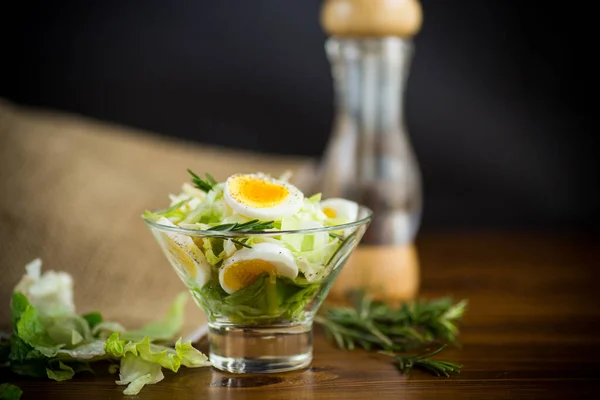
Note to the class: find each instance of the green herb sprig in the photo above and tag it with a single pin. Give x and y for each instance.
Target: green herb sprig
(376, 326)
(249, 226)
(424, 361)
(204, 185)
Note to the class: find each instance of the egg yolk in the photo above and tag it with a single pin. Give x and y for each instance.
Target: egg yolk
(244, 273)
(256, 192)
(181, 257)
(330, 212)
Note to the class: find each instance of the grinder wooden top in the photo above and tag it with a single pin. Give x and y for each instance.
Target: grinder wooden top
(371, 18)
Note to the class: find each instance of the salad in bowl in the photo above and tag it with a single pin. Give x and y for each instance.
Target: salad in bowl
(259, 257)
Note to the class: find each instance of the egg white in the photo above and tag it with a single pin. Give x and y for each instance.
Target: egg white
(280, 257)
(290, 205)
(345, 210)
(189, 257)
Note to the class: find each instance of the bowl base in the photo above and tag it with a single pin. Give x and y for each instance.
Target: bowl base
(260, 350)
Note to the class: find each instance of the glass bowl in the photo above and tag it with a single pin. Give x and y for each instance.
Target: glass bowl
(266, 326)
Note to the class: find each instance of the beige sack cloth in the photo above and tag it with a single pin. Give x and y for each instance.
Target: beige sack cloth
(72, 191)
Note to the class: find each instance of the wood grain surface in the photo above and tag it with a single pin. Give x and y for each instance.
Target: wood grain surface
(531, 332)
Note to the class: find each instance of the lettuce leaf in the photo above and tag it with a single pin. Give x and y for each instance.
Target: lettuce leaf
(68, 330)
(213, 250)
(142, 361)
(165, 329)
(10, 392)
(50, 293)
(4, 349)
(190, 356)
(62, 373)
(36, 337)
(137, 372)
(18, 305)
(92, 319)
(315, 198)
(174, 212)
(167, 357)
(31, 330)
(51, 341)
(263, 300)
(105, 328)
(296, 298)
(91, 351)
(25, 360)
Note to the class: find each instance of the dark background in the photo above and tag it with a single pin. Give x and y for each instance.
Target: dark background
(497, 102)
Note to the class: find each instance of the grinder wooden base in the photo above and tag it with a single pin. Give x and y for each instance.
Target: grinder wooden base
(387, 272)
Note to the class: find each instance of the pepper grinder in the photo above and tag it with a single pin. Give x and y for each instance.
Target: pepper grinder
(369, 158)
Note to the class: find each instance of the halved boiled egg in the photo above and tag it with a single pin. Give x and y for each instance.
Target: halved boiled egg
(262, 197)
(184, 255)
(340, 211)
(246, 265)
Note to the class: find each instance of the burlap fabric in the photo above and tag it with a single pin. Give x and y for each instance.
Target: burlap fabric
(72, 191)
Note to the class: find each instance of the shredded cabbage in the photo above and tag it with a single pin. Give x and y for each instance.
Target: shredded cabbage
(311, 251)
(274, 299)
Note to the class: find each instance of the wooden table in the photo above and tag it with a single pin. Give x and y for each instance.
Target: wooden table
(531, 332)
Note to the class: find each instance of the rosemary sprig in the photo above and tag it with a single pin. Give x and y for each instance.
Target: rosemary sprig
(374, 325)
(424, 361)
(204, 185)
(250, 226)
(241, 243)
